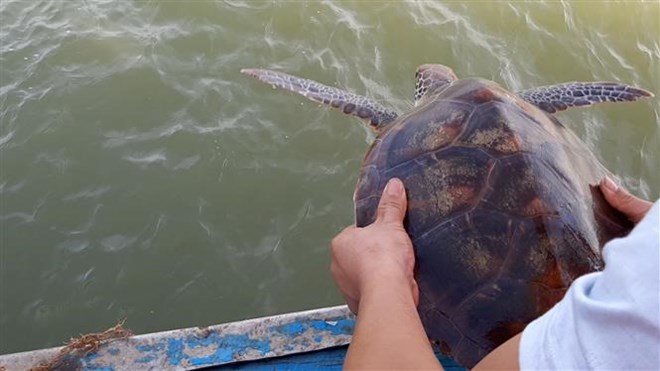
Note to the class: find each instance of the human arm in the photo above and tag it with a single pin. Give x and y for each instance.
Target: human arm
(373, 267)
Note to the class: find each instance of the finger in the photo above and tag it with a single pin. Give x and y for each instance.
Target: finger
(633, 207)
(392, 205)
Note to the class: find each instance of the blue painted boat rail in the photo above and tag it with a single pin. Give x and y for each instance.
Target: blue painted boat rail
(198, 347)
(314, 339)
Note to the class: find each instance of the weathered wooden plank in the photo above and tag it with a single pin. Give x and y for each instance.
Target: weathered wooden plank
(311, 339)
(192, 348)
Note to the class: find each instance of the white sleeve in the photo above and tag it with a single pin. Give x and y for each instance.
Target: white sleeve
(609, 319)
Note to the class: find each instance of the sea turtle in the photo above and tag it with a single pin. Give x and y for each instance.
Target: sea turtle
(503, 208)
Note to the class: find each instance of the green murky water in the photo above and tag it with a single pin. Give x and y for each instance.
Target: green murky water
(143, 177)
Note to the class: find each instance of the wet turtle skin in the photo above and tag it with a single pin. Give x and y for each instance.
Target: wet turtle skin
(503, 210)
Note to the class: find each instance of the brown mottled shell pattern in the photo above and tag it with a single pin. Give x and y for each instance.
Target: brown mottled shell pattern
(504, 212)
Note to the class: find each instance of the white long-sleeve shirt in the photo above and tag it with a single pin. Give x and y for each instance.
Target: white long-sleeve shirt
(608, 320)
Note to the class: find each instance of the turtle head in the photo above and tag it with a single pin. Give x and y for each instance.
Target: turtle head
(431, 79)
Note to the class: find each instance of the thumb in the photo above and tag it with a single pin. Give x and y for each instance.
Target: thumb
(633, 207)
(392, 205)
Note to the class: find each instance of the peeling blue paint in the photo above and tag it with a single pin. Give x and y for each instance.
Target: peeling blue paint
(150, 348)
(231, 347)
(336, 326)
(228, 347)
(339, 327)
(99, 368)
(175, 351)
(146, 359)
(221, 356)
(243, 341)
(91, 357)
(89, 363)
(291, 329)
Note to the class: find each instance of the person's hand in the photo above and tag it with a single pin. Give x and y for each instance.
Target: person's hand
(633, 207)
(378, 255)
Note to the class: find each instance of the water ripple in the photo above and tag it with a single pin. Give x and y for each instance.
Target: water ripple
(6, 138)
(117, 242)
(128, 137)
(146, 159)
(92, 192)
(348, 18)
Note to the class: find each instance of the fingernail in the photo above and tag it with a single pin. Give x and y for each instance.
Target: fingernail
(394, 187)
(609, 184)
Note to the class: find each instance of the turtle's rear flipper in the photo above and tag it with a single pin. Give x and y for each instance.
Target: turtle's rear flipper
(559, 97)
(352, 104)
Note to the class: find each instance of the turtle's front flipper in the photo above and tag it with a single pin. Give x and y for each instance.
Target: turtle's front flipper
(559, 97)
(352, 104)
